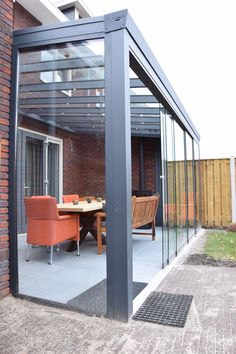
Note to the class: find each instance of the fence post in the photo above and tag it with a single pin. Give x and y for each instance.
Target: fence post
(233, 196)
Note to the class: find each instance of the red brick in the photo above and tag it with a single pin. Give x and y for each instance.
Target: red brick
(4, 115)
(4, 169)
(4, 161)
(3, 175)
(4, 148)
(4, 254)
(4, 121)
(3, 271)
(4, 278)
(3, 245)
(3, 217)
(2, 94)
(5, 142)
(4, 155)
(4, 285)
(4, 292)
(3, 224)
(3, 183)
(6, 89)
(4, 238)
(5, 69)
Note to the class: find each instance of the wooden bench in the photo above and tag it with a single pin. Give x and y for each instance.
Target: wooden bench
(144, 211)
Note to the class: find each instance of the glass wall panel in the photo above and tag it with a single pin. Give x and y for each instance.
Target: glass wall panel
(61, 154)
(190, 186)
(181, 202)
(146, 171)
(197, 185)
(171, 205)
(164, 180)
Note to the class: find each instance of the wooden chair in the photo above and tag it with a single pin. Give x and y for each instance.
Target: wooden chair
(144, 211)
(45, 227)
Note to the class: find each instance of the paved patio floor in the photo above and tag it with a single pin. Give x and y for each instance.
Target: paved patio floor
(26, 327)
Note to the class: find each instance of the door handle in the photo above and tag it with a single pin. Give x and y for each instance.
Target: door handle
(26, 191)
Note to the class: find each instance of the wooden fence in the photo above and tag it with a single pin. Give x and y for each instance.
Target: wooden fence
(215, 192)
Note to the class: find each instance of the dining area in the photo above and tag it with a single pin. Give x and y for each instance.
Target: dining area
(67, 264)
(63, 210)
(50, 223)
(70, 275)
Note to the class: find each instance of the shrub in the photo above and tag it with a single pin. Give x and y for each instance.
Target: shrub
(232, 227)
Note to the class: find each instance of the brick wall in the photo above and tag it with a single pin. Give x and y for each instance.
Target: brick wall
(135, 163)
(84, 160)
(22, 18)
(6, 24)
(149, 164)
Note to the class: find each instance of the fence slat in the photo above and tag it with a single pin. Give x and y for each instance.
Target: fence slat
(216, 192)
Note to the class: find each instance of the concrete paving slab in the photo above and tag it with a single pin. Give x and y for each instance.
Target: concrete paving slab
(210, 328)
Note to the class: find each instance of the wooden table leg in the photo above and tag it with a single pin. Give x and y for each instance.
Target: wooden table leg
(87, 221)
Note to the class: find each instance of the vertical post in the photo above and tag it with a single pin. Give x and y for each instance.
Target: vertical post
(13, 252)
(118, 171)
(232, 180)
(186, 186)
(163, 176)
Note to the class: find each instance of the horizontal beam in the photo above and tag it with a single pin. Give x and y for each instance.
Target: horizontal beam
(156, 134)
(134, 133)
(99, 129)
(92, 120)
(137, 131)
(80, 100)
(102, 124)
(53, 101)
(63, 64)
(97, 110)
(70, 85)
(90, 27)
(65, 111)
(143, 99)
(91, 117)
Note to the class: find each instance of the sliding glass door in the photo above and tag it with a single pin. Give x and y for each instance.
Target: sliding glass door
(38, 170)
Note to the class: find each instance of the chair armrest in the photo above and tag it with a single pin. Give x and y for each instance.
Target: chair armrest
(100, 214)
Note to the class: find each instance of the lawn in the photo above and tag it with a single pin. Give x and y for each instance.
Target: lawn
(221, 245)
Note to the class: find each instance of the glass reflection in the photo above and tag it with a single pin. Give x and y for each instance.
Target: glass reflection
(171, 205)
(190, 185)
(61, 152)
(181, 202)
(197, 185)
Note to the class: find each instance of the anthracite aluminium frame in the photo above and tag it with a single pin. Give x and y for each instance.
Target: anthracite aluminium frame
(124, 48)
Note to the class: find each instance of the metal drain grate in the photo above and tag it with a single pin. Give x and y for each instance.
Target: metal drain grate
(165, 309)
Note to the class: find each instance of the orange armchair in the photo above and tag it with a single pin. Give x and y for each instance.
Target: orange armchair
(68, 198)
(45, 227)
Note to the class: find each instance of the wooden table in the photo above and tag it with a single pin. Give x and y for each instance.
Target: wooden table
(86, 212)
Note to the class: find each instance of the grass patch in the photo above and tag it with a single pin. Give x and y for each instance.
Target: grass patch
(221, 245)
